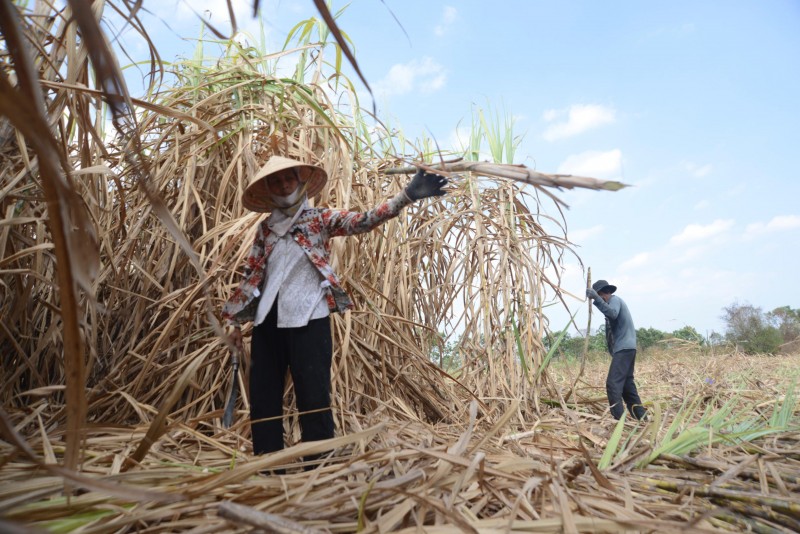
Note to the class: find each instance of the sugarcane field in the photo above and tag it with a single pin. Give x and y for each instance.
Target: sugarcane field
(238, 297)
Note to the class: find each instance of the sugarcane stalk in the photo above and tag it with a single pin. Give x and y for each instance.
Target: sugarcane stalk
(586, 339)
(518, 173)
(741, 521)
(764, 513)
(588, 321)
(784, 506)
(699, 463)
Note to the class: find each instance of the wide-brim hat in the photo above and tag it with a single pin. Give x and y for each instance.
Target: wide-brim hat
(601, 286)
(257, 195)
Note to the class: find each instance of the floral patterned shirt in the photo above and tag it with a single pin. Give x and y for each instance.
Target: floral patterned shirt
(312, 231)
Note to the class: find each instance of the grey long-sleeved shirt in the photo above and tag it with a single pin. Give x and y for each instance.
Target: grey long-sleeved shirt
(619, 317)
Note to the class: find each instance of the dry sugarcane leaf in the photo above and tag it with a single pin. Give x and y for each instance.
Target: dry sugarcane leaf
(159, 424)
(161, 110)
(264, 520)
(25, 111)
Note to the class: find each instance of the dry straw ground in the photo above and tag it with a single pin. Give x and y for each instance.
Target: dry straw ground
(119, 246)
(503, 472)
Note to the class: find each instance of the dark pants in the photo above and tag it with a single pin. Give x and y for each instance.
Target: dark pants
(306, 352)
(620, 386)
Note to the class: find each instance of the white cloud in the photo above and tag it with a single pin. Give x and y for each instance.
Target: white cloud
(573, 271)
(583, 234)
(433, 84)
(576, 119)
(691, 254)
(214, 11)
(670, 299)
(698, 171)
(423, 75)
(573, 279)
(696, 232)
(703, 204)
(660, 295)
(184, 16)
(638, 260)
(449, 14)
(708, 284)
(594, 163)
(776, 224)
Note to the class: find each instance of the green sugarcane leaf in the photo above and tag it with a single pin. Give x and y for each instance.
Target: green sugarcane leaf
(613, 443)
(553, 348)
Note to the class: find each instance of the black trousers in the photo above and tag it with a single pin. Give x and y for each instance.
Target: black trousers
(306, 351)
(620, 386)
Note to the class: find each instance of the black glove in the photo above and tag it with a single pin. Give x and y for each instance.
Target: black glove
(426, 184)
(592, 294)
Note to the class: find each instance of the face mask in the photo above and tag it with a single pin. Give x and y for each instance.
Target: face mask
(289, 200)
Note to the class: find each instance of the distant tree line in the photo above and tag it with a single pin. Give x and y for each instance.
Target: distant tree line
(747, 328)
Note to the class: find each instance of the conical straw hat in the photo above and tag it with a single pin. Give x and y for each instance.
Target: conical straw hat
(257, 196)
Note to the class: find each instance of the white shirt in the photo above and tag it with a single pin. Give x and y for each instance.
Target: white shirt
(297, 284)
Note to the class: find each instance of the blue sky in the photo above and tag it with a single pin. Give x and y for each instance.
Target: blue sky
(694, 104)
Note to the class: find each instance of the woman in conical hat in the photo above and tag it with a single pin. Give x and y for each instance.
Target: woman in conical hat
(289, 290)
